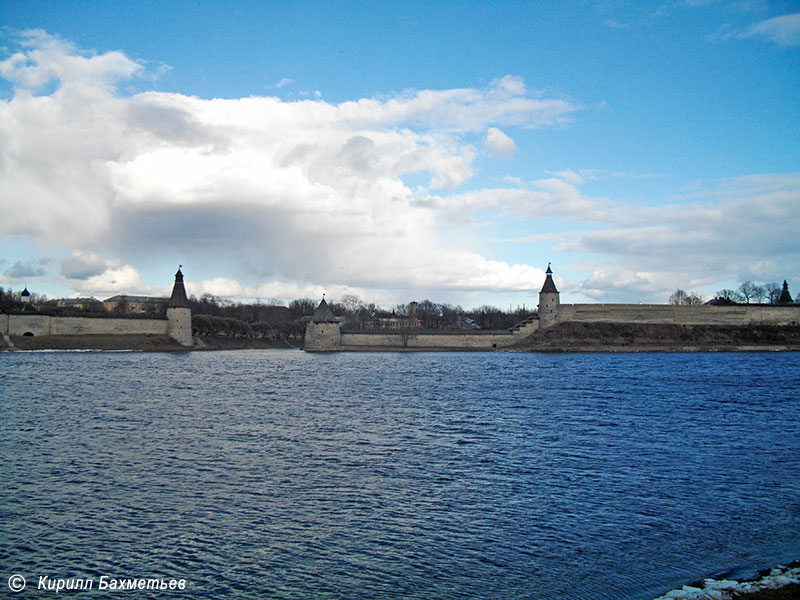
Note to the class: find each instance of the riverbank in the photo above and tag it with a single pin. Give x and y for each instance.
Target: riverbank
(650, 337)
(134, 342)
(561, 338)
(137, 342)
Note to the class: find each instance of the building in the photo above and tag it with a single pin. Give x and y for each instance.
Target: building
(393, 323)
(136, 304)
(79, 303)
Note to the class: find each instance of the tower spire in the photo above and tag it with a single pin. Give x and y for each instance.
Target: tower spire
(178, 298)
(549, 285)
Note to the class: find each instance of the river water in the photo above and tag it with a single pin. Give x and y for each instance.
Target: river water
(280, 474)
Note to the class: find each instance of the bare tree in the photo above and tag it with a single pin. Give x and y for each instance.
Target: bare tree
(730, 295)
(351, 303)
(683, 298)
(773, 291)
(747, 290)
(677, 297)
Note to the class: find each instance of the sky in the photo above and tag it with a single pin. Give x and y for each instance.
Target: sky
(399, 151)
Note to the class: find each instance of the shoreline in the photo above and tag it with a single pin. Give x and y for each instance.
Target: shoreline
(562, 338)
(134, 343)
(779, 583)
(159, 343)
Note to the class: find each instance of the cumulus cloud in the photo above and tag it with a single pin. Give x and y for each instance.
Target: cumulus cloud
(83, 265)
(304, 190)
(783, 30)
(498, 144)
(44, 58)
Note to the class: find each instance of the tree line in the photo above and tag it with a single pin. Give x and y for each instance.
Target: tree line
(214, 316)
(748, 292)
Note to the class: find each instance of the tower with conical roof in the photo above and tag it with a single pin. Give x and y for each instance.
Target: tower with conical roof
(548, 300)
(785, 297)
(322, 331)
(179, 314)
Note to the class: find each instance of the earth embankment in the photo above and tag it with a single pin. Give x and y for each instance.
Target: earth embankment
(648, 337)
(140, 342)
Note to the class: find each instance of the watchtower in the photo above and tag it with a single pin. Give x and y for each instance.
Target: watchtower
(179, 313)
(548, 300)
(322, 331)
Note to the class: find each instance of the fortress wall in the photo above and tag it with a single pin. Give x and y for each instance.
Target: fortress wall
(35, 324)
(84, 325)
(454, 340)
(40, 325)
(682, 315)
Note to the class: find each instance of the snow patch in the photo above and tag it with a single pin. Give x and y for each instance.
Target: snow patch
(725, 589)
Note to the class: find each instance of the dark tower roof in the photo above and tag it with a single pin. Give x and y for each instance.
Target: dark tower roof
(323, 314)
(549, 286)
(25, 292)
(786, 297)
(178, 299)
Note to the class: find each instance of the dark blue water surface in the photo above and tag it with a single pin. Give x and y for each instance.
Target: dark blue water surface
(279, 474)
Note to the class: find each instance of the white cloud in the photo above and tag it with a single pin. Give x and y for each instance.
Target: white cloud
(83, 265)
(783, 30)
(498, 144)
(735, 230)
(608, 285)
(306, 190)
(47, 57)
(119, 279)
(552, 197)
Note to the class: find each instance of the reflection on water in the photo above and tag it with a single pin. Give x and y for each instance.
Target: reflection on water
(279, 474)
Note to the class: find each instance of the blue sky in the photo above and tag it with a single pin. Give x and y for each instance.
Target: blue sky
(399, 151)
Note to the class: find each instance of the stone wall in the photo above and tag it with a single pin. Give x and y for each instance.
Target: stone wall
(428, 339)
(39, 325)
(743, 314)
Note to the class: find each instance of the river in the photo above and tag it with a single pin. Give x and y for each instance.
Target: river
(280, 474)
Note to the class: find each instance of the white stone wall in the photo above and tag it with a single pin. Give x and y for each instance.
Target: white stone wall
(35, 324)
(431, 340)
(40, 325)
